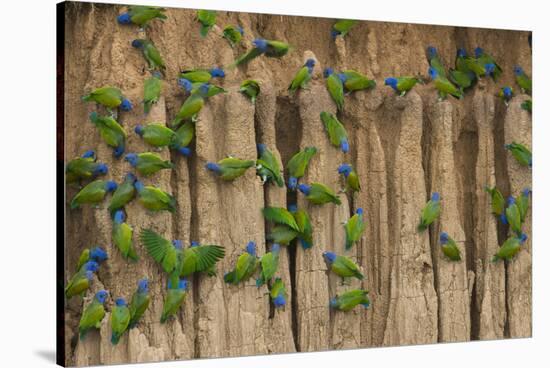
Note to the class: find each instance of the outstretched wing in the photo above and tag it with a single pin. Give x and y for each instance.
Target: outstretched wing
(206, 256)
(281, 216)
(159, 248)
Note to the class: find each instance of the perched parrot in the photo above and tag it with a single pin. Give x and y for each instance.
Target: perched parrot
(267, 47)
(522, 201)
(354, 227)
(122, 236)
(269, 263)
(435, 62)
(147, 163)
(282, 234)
(523, 81)
(207, 19)
(449, 247)
(280, 216)
(430, 212)
(154, 199)
(230, 168)
(527, 105)
(444, 86)
(297, 165)
(302, 78)
(278, 293)
(497, 203)
(318, 193)
(96, 254)
(462, 75)
(505, 94)
(93, 193)
(120, 319)
(335, 87)
(305, 235)
(491, 67)
(351, 178)
(350, 299)
(80, 282)
(191, 106)
(246, 266)
(521, 153)
(84, 167)
(184, 136)
(355, 81)
(250, 88)
(401, 85)
(139, 303)
(510, 248)
(202, 75)
(336, 132)
(177, 291)
(343, 266)
(123, 194)
(233, 34)
(151, 54)
(156, 134)
(267, 166)
(141, 15)
(151, 91)
(110, 97)
(93, 314)
(110, 131)
(513, 215)
(341, 27)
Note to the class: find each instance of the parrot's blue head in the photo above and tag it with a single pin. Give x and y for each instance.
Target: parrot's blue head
(503, 219)
(261, 148)
(478, 52)
(292, 208)
(432, 72)
(119, 217)
(461, 52)
(98, 254)
(526, 192)
(118, 151)
(489, 68)
(138, 185)
(89, 275)
(217, 73)
(329, 256)
(507, 92)
(124, 18)
(194, 243)
(137, 44)
(392, 82)
(91, 266)
(366, 304)
(101, 169)
(344, 145)
(120, 302)
(310, 63)
(240, 30)
(333, 303)
(522, 238)
(275, 248)
(203, 89)
(328, 72)
(251, 248)
(508, 146)
(156, 74)
(292, 183)
(110, 186)
(212, 166)
(183, 284)
(304, 188)
(143, 286)
(185, 84)
(89, 154)
(431, 51)
(185, 151)
(443, 238)
(101, 296)
(279, 301)
(132, 158)
(343, 78)
(139, 130)
(126, 105)
(359, 211)
(344, 169)
(435, 196)
(518, 70)
(177, 244)
(511, 200)
(131, 177)
(334, 33)
(260, 44)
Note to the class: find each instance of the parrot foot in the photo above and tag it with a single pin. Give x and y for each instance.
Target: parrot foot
(403, 94)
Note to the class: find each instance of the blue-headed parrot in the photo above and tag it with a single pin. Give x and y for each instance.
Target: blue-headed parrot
(110, 97)
(246, 266)
(510, 248)
(175, 296)
(84, 167)
(350, 299)
(351, 178)
(154, 199)
(123, 194)
(318, 193)
(278, 293)
(229, 168)
(233, 34)
(93, 314)
(122, 236)
(343, 266)
(120, 319)
(449, 247)
(341, 27)
(505, 94)
(151, 91)
(269, 48)
(267, 166)
(93, 193)
(112, 133)
(147, 163)
(335, 87)
(151, 54)
(80, 282)
(521, 153)
(141, 15)
(523, 81)
(336, 131)
(430, 212)
(401, 85)
(269, 263)
(354, 228)
(302, 77)
(298, 164)
(139, 303)
(443, 85)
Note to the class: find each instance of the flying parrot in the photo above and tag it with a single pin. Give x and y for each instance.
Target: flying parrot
(335, 87)
(523, 81)
(147, 163)
(84, 167)
(430, 212)
(80, 282)
(96, 254)
(350, 299)
(151, 91)
(509, 249)
(246, 266)
(207, 19)
(505, 94)
(401, 85)
(151, 54)
(355, 81)
(527, 105)
(351, 178)
(120, 319)
(341, 27)
(93, 314)
(156, 134)
(177, 291)
(210, 271)
(202, 75)
(297, 165)
(513, 215)
(233, 34)
(491, 67)
(336, 132)
(522, 202)
(123, 194)
(110, 97)
(354, 227)
(435, 61)
(444, 86)
(267, 166)
(154, 199)
(278, 293)
(269, 48)
(122, 236)
(280, 216)
(269, 263)
(250, 88)
(449, 247)
(110, 131)
(93, 193)
(342, 266)
(141, 15)
(230, 168)
(139, 303)
(497, 203)
(521, 153)
(191, 106)
(318, 193)
(302, 78)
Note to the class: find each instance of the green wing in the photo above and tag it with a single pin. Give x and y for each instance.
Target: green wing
(451, 250)
(497, 200)
(158, 135)
(300, 80)
(151, 92)
(92, 193)
(282, 235)
(268, 162)
(201, 258)
(320, 194)
(281, 216)
(298, 163)
(122, 195)
(347, 267)
(160, 249)
(269, 263)
(344, 25)
(156, 199)
(429, 214)
(120, 318)
(184, 135)
(508, 250)
(335, 129)
(138, 306)
(336, 90)
(91, 318)
(514, 218)
(354, 229)
(122, 237)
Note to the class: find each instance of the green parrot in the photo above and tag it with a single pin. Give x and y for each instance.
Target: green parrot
(80, 282)
(462, 64)
(110, 97)
(350, 299)
(497, 201)
(246, 266)
(93, 314)
(335, 87)
(523, 81)
(305, 235)
(233, 34)
(110, 131)
(84, 167)
(343, 266)
(230, 168)
(435, 61)
(120, 319)
(351, 178)
(250, 88)
(269, 263)
(175, 296)
(93, 193)
(490, 65)
(527, 105)
(449, 247)
(96, 254)
(513, 215)
(505, 94)
(462, 79)
(154, 199)
(267, 166)
(355, 81)
(139, 303)
(521, 153)
(522, 201)
(444, 86)
(122, 236)
(151, 54)
(201, 75)
(207, 19)
(354, 227)
(302, 78)
(318, 193)
(183, 138)
(280, 216)
(297, 165)
(123, 194)
(430, 212)
(141, 15)
(269, 48)
(402, 85)
(278, 293)
(336, 132)
(147, 163)
(191, 106)
(151, 91)
(156, 134)
(282, 234)
(341, 27)
(510, 248)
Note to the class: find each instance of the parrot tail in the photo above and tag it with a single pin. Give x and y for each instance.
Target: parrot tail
(132, 254)
(259, 282)
(495, 259)
(305, 244)
(421, 227)
(147, 106)
(115, 338)
(74, 205)
(163, 318)
(359, 275)
(349, 244)
(82, 334)
(229, 277)
(205, 30)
